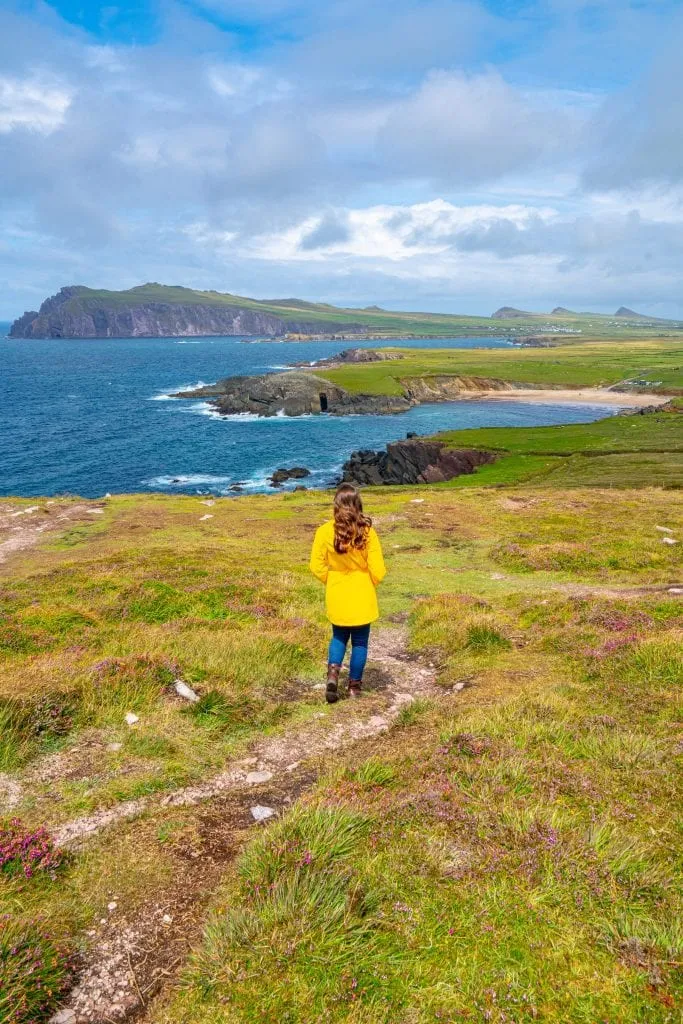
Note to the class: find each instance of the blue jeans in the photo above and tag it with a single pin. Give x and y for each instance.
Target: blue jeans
(359, 648)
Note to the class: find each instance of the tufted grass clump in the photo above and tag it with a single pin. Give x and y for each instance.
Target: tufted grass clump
(485, 639)
(374, 772)
(35, 971)
(298, 900)
(29, 721)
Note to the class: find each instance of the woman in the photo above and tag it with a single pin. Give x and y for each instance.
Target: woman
(347, 558)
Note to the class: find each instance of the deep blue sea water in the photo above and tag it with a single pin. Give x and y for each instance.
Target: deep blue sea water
(86, 417)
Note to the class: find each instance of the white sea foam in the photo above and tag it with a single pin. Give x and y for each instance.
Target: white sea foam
(206, 409)
(170, 397)
(189, 480)
(203, 409)
(258, 482)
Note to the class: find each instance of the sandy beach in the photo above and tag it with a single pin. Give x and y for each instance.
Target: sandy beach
(570, 396)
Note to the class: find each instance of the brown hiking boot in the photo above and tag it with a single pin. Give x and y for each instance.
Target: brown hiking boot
(355, 687)
(331, 690)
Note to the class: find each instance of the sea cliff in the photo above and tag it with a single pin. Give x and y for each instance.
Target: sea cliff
(77, 312)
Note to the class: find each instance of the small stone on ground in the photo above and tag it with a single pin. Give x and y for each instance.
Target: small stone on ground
(260, 813)
(253, 778)
(183, 690)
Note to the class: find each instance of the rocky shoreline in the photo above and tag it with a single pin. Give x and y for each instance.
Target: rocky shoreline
(293, 394)
(351, 357)
(413, 461)
(299, 393)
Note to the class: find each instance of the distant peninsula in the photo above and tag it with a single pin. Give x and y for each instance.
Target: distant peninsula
(172, 311)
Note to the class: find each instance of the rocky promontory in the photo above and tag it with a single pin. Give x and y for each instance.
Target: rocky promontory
(298, 393)
(157, 311)
(413, 461)
(353, 356)
(293, 394)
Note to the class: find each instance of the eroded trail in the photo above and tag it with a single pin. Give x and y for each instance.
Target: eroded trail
(406, 679)
(129, 960)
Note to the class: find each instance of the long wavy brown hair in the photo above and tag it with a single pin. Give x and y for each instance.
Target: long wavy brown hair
(351, 525)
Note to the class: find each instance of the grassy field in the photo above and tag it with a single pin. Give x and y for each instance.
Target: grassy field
(619, 451)
(376, 320)
(507, 853)
(585, 364)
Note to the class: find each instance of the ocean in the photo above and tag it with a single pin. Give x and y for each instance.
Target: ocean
(88, 417)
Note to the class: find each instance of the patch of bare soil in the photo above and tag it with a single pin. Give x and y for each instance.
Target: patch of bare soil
(514, 504)
(22, 526)
(129, 959)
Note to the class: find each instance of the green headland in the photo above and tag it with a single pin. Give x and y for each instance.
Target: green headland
(165, 310)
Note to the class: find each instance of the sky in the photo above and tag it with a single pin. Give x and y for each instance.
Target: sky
(446, 155)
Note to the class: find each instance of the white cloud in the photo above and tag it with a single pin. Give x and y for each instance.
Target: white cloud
(349, 147)
(38, 102)
(471, 128)
(636, 138)
(386, 233)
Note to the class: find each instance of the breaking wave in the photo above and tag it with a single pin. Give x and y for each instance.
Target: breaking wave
(168, 396)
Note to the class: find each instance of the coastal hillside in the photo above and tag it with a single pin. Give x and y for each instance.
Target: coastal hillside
(155, 310)
(189, 833)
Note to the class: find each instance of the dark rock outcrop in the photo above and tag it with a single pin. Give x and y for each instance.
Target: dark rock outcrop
(293, 394)
(351, 356)
(538, 341)
(412, 462)
(295, 473)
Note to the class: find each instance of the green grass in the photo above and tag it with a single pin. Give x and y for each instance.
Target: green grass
(507, 851)
(656, 432)
(637, 450)
(583, 364)
(501, 862)
(328, 318)
(34, 971)
(619, 451)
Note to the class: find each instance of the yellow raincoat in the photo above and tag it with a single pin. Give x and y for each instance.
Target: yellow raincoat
(350, 579)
